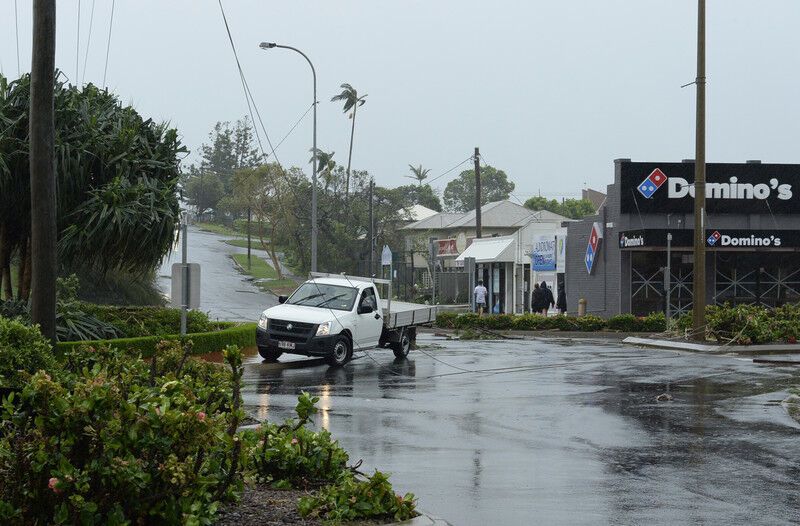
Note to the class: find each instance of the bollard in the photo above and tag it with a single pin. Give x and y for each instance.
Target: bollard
(582, 307)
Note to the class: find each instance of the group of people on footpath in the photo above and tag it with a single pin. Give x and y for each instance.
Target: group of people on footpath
(541, 302)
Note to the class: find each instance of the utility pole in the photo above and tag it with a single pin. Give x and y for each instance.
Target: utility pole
(371, 229)
(42, 167)
(699, 282)
(249, 216)
(477, 159)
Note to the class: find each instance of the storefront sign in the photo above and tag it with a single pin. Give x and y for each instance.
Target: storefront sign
(649, 188)
(593, 246)
(561, 253)
(447, 247)
(544, 253)
(715, 238)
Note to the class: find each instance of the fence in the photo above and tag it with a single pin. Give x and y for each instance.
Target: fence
(414, 283)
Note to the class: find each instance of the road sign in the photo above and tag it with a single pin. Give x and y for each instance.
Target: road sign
(178, 270)
(386, 256)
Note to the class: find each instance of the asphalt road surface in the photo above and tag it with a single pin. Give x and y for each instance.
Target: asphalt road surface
(226, 294)
(533, 432)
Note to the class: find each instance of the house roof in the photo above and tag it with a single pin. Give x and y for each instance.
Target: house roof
(497, 214)
(416, 213)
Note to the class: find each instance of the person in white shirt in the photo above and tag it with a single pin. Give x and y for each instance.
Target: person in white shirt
(480, 297)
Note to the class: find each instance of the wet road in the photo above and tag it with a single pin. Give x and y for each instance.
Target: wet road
(225, 293)
(560, 433)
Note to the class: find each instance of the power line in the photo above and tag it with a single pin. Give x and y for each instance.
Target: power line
(450, 170)
(247, 93)
(88, 42)
(108, 44)
(293, 127)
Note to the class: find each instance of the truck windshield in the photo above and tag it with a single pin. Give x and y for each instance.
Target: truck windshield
(320, 295)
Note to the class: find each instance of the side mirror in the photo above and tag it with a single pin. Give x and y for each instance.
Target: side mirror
(282, 299)
(365, 309)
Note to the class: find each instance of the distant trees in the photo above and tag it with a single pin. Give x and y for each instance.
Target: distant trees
(572, 208)
(419, 173)
(351, 100)
(459, 194)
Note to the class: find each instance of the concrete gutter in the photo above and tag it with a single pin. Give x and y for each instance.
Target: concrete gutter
(423, 519)
(683, 345)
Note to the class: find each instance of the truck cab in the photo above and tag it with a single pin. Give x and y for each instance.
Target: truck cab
(327, 317)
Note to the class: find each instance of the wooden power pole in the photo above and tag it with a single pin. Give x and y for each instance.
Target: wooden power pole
(42, 168)
(477, 159)
(372, 229)
(699, 282)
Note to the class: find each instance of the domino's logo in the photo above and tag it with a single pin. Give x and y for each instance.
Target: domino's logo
(713, 238)
(653, 182)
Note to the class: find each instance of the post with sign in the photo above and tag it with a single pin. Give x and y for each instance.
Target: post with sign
(668, 278)
(386, 261)
(185, 292)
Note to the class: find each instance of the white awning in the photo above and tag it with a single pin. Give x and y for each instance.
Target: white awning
(491, 250)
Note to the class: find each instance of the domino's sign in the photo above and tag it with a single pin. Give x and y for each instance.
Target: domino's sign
(593, 246)
(730, 188)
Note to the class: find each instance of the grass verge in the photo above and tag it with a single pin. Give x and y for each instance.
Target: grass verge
(218, 229)
(242, 243)
(260, 269)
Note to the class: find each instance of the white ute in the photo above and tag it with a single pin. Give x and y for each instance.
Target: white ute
(331, 315)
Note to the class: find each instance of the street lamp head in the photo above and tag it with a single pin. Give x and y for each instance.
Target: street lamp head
(267, 45)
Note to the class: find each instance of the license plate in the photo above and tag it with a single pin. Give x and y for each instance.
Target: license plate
(286, 345)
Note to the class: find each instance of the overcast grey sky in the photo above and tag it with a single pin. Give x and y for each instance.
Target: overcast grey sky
(551, 91)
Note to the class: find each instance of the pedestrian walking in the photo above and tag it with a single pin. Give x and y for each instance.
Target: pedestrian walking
(561, 302)
(549, 300)
(480, 293)
(538, 299)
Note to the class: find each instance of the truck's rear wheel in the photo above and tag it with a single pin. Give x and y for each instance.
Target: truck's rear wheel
(402, 347)
(342, 352)
(270, 355)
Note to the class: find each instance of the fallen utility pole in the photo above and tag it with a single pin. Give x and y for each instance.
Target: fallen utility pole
(42, 167)
(699, 282)
(477, 159)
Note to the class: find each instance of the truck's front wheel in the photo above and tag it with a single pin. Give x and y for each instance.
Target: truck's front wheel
(270, 355)
(342, 352)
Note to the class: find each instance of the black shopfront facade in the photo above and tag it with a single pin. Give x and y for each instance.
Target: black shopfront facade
(751, 230)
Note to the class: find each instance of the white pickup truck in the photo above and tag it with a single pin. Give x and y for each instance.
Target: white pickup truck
(331, 315)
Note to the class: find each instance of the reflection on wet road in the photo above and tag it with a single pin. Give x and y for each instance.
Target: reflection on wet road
(527, 432)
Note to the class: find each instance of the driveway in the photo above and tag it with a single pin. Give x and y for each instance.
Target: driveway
(225, 294)
(559, 432)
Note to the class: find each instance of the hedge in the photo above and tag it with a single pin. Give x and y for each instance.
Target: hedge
(534, 322)
(231, 333)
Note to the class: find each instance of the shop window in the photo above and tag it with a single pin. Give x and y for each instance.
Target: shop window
(647, 283)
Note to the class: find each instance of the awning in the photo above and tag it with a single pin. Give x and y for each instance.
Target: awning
(491, 250)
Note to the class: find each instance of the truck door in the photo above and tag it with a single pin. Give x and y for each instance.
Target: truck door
(369, 322)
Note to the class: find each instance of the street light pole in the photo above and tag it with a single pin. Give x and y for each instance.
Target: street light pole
(314, 231)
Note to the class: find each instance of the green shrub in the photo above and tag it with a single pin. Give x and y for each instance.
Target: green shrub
(498, 321)
(624, 323)
(291, 455)
(350, 499)
(742, 324)
(590, 323)
(23, 352)
(149, 321)
(119, 441)
(529, 322)
(15, 309)
(470, 320)
(241, 335)
(653, 322)
(446, 320)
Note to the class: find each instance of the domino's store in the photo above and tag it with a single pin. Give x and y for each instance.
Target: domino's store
(618, 260)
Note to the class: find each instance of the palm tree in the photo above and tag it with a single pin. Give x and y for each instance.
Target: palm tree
(351, 101)
(419, 173)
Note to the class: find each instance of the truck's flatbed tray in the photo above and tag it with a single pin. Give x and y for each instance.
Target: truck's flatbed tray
(404, 314)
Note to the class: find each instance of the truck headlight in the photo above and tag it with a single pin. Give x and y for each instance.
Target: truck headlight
(324, 329)
(263, 322)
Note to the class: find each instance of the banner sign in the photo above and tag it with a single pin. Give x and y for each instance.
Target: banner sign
(715, 238)
(544, 253)
(593, 246)
(447, 247)
(749, 188)
(561, 253)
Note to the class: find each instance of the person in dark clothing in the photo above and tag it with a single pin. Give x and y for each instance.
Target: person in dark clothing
(538, 299)
(549, 300)
(561, 302)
